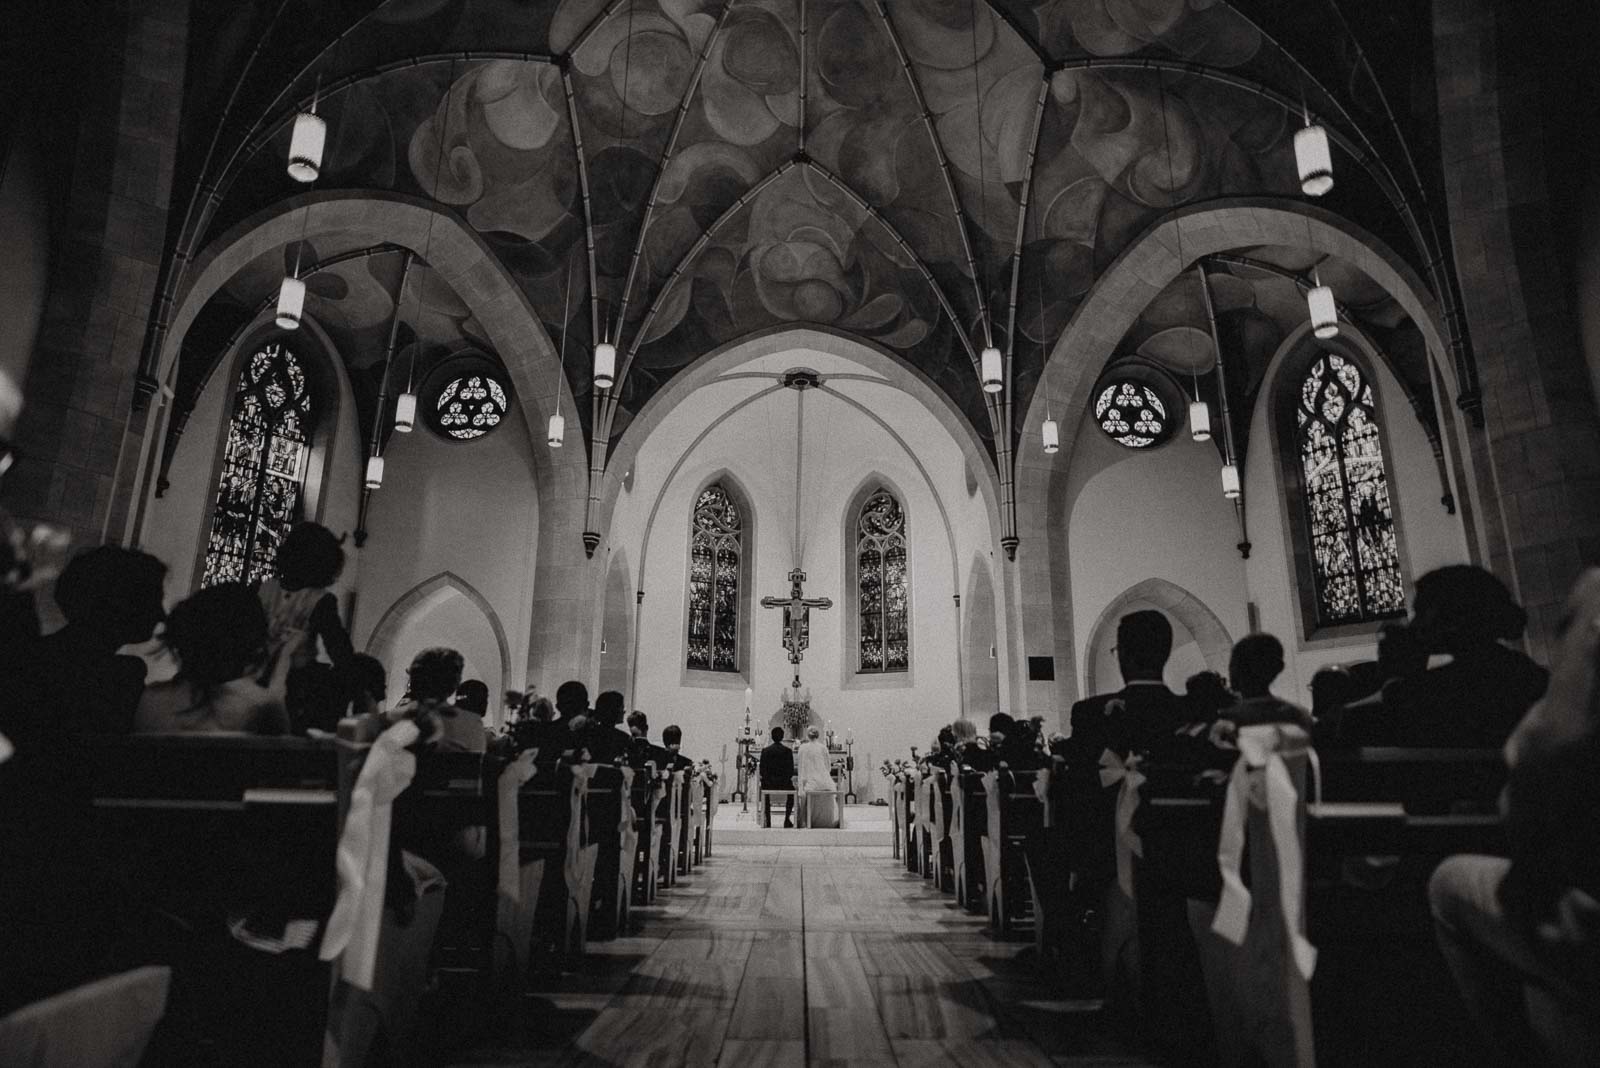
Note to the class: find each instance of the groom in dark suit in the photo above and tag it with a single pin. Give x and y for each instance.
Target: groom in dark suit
(777, 773)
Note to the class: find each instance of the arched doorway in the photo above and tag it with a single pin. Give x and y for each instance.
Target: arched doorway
(1199, 640)
(444, 610)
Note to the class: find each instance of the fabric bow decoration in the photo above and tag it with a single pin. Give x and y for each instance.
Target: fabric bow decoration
(363, 857)
(1261, 753)
(1041, 790)
(1114, 769)
(512, 778)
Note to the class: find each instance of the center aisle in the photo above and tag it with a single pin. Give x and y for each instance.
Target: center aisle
(799, 955)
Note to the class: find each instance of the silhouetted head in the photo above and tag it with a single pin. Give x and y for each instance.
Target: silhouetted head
(609, 708)
(541, 710)
(1460, 607)
(964, 730)
(309, 557)
(638, 724)
(218, 634)
(672, 736)
(368, 676)
(114, 592)
(1144, 641)
(1257, 659)
(1208, 692)
(434, 674)
(813, 733)
(1332, 688)
(947, 737)
(572, 699)
(473, 696)
(777, 734)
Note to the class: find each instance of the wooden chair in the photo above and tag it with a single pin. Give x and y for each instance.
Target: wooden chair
(783, 797)
(808, 813)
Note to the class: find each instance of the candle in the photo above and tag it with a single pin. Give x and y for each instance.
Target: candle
(749, 697)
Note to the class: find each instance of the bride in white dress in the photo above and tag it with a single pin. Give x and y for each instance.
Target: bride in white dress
(815, 773)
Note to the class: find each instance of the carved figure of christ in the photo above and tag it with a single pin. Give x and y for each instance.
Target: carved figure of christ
(796, 617)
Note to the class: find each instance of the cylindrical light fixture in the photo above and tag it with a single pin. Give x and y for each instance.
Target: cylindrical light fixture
(605, 365)
(1314, 160)
(405, 412)
(1052, 436)
(1230, 481)
(1200, 420)
(374, 472)
(1324, 312)
(291, 302)
(990, 367)
(558, 431)
(305, 146)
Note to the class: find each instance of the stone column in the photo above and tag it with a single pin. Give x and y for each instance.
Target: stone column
(1500, 74)
(104, 262)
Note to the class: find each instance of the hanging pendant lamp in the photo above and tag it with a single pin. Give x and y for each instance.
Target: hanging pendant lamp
(291, 302)
(1324, 311)
(1200, 420)
(1313, 159)
(557, 433)
(374, 472)
(605, 365)
(992, 373)
(1052, 436)
(305, 146)
(405, 412)
(1230, 481)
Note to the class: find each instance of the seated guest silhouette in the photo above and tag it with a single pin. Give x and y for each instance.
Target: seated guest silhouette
(605, 739)
(777, 772)
(303, 624)
(1477, 698)
(1257, 660)
(1144, 713)
(75, 683)
(431, 681)
(472, 698)
(223, 684)
(672, 739)
(1522, 935)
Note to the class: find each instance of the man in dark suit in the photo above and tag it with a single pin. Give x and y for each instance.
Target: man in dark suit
(607, 742)
(672, 739)
(1143, 716)
(777, 773)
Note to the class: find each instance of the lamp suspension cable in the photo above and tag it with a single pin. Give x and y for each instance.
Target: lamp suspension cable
(991, 370)
(405, 405)
(374, 474)
(605, 350)
(1320, 304)
(1231, 487)
(1199, 412)
(556, 432)
(1049, 430)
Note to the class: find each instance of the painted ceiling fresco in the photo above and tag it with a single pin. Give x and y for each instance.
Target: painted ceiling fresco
(872, 184)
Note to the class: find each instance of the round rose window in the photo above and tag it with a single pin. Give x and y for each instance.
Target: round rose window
(470, 406)
(1132, 414)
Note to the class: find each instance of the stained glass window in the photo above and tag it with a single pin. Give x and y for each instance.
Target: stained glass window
(1355, 555)
(470, 406)
(716, 537)
(885, 642)
(1132, 414)
(263, 467)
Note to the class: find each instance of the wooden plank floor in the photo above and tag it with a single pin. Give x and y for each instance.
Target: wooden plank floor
(793, 955)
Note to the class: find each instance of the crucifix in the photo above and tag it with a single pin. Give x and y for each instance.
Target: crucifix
(797, 606)
(796, 617)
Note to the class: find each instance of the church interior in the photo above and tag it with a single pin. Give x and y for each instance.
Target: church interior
(1120, 477)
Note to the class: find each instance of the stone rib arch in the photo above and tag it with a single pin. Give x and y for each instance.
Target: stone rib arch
(1207, 630)
(381, 643)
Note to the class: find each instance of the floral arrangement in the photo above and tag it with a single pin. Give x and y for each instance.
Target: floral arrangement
(893, 769)
(706, 773)
(796, 716)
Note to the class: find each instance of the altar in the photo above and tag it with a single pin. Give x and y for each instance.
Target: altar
(796, 716)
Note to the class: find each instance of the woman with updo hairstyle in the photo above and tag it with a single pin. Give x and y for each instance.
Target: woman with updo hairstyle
(1476, 699)
(225, 681)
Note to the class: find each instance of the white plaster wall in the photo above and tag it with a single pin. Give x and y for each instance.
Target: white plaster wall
(1429, 537)
(178, 527)
(1137, 514)
(469, 508)
(843, 448)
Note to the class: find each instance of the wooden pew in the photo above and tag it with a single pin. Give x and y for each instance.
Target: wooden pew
(897, 793)
(968, 828)
(553, 821)
(1013, 815)
(649, 791)
(908, 817)
(713, 802)
(204, 827)
(671, 821)
(941, 853)
(1416, 805)
(612, 830)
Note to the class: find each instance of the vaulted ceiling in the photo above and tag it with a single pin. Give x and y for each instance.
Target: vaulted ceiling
(922, 173)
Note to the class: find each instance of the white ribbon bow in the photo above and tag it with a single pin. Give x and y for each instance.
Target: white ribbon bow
(1041, 790)
(1261, 752)
(512, 779)
(1114, 769)
(363, 856)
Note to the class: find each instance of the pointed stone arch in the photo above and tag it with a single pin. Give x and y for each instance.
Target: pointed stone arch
(616, 627)
(407, 605)
(1200, 621)
(980, 627)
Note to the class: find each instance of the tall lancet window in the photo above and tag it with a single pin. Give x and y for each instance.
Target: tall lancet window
(885, 636)
(716, 550)
(1355, 555)
(263, 467)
